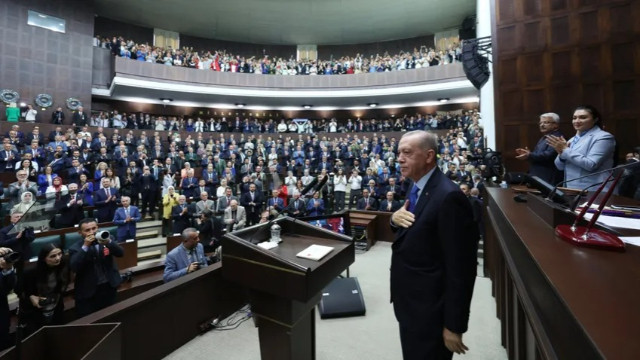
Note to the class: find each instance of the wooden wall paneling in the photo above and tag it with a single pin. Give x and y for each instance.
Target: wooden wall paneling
(562, 66)
(508, 39)
(506, 10)
(590, 27)
(564, 98)
(560, 31)
(629, 138)
(625, 95)
(590, 63)
(625, 57)
(511, 103)
(594, 94)
(621, 19)
(531, 8)
(534, 101)
(507, 71)
(533, 69)
(534, 33)
(558, 5)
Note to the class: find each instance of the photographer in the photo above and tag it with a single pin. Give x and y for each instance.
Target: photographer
(97, 277)
(7, 282)
(185, 258)
(41, 299)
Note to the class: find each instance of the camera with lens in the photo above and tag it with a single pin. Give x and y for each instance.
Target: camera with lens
(11, 257)
(102, 236)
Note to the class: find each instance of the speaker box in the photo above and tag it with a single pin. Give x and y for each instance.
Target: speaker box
(342, 298)
(475, 66)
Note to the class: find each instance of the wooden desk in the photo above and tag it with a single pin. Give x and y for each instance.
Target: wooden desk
(376, 223)
(158, 321)
(173, 241)
(556, 300)
(130, 258)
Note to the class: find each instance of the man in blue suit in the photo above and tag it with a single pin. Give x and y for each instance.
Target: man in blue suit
(189, 185)
(126, 218)
(315, 206)
(186, 257)
(436, 247)
(105, 201)
(275, 203)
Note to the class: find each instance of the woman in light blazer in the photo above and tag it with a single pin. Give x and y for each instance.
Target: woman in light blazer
(588, 152)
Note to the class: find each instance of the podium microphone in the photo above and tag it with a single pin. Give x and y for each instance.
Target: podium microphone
(612, 170)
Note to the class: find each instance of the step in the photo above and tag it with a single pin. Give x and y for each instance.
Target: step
(149, 255)
(151, 242)
(147, 234)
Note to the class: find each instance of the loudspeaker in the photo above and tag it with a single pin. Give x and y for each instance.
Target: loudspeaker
(342, 298)
(475, 66)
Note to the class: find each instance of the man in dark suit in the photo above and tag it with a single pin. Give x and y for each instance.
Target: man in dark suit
(79, 117)
(126, 218)
(8, 157)
(435, 246)
(252, 201)
(105, 201)
(542, 156)
(296, 207)
(55, 133)
(389, 203)
(148, 187)
(7, 283)
(367, 202)
(97, 277)
(181, 215)
(70, 208)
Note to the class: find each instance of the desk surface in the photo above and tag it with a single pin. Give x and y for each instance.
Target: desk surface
(600, 288)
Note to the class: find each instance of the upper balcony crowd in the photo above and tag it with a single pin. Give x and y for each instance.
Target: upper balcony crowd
(221, 60)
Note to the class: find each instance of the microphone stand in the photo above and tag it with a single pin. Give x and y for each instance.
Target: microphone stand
(588, 235)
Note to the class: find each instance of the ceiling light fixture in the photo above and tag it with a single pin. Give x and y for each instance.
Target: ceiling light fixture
(372, 104)
(240, 105)
(443, 100)
(166, 100)
(307, 106)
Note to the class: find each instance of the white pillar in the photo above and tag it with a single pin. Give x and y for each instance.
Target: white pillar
(487, 109)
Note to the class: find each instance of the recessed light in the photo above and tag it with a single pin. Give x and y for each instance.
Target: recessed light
(240, 105)
(166, 100)
(307, 106)
(443, 100)
(23, 104)
(372, 104)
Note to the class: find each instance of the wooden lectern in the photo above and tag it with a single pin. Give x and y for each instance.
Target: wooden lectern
(284, 289)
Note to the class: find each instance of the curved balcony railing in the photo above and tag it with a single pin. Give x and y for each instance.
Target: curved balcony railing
(107, 67)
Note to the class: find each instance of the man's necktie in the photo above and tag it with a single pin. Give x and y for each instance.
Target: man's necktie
(413, 197)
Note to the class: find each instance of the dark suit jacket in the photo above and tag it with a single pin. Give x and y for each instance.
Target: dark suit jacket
(105, 211)
(541, 159)
(301, 207)
(181, 221)
(373, 204)
(395, 205)
(69, 215)
(83, 264)
(433, 263)
(258, 200)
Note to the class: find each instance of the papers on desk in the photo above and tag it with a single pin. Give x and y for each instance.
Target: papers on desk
(616, 221)
(633, 240)
(315, 252)
(268, 245)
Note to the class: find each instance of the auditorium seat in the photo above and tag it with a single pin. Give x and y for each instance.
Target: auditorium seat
(70, 239)
(38, 243)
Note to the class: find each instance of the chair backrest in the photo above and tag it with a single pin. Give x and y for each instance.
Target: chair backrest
(38, 243)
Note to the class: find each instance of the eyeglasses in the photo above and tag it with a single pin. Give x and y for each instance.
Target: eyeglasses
(545, 122)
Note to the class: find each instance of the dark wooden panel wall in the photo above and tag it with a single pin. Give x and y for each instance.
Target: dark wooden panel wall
(34, 60)
(552, 55)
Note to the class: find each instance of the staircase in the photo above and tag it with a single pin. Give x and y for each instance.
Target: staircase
(151, 243)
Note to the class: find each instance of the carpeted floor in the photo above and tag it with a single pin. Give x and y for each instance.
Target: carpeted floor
(370, 337)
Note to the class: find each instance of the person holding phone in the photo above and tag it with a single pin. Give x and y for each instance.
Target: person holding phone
(93, 261)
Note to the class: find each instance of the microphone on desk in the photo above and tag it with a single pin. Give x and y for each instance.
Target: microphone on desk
(588, 235)
(614, 170)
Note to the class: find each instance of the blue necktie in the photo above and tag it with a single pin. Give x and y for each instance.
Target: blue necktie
(413, 197)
